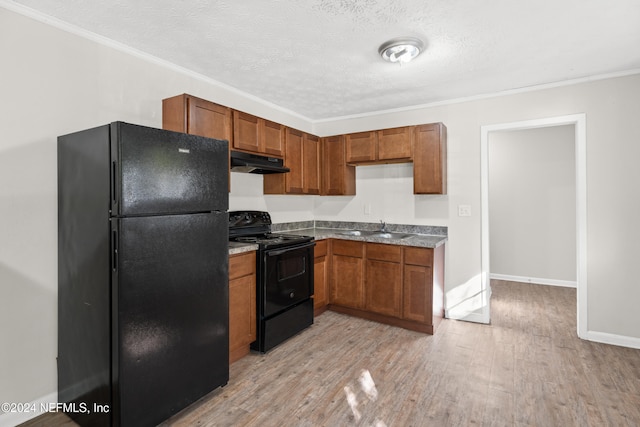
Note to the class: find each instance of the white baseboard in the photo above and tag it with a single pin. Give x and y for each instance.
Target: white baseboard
(536, 280)
(619, 340)
(30, 410)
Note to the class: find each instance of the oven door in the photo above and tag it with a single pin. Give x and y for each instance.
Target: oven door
(288, 277)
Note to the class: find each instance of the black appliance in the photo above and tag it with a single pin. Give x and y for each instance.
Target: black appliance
(143, 319)
(284, 284)
(255, 163)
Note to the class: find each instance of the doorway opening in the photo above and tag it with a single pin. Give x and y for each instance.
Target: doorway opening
(579, 124)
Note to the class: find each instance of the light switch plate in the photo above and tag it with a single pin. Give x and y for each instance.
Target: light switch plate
(464, 210)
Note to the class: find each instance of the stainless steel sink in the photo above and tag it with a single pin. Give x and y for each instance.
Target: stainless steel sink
(376, 234)
(386, 235)
(351, 233)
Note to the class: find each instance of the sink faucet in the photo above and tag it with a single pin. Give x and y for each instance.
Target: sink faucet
(383, 226)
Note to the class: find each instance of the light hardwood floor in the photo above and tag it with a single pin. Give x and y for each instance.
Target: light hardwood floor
(527, 368)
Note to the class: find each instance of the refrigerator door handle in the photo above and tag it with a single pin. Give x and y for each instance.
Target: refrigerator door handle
(114, 250)
(114, 186)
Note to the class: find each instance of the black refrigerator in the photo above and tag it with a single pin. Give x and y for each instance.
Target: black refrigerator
(143, 296)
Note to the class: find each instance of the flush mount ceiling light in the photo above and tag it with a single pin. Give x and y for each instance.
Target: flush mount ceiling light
(401, 49)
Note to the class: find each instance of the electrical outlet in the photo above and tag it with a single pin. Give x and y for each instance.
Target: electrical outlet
(367, 208)
(464, 210)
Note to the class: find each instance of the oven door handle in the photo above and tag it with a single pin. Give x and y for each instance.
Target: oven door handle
(275, 252)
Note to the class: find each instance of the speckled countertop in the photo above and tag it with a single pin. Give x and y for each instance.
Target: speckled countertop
(419, 240)
(424, 236)
(238, 248)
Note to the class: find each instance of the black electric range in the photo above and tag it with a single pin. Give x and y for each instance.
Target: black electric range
(284, 283)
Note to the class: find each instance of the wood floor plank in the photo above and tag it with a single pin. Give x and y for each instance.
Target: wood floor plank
(526, 368)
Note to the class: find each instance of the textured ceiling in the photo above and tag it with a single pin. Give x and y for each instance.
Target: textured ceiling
(319, 58)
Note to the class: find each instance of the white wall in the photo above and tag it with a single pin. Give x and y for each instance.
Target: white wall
(613, 132)
(53, 82)
(532, 204)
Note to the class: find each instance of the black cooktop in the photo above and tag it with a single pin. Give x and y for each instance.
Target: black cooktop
(255, 227)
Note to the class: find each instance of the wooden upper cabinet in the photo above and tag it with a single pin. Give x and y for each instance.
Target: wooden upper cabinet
(338, 178)
(188, 114)
(382, 146)
(245, 132)
(257, 135)
(430, 159)
(361, 146)
(302, 157)
(293, 159)
(311, 164)
(272, 138)
(395, 144)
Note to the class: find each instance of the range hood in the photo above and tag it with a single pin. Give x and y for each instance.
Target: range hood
(255, 163)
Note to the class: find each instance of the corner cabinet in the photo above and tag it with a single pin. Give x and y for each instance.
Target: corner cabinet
(242, 304)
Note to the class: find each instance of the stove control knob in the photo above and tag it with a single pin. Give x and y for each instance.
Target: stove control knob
(291, 295)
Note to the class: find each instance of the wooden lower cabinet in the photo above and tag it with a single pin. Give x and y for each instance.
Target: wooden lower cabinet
(383, 279)
(242, 304)
(347, 287)
(320, 277)
(398, 285)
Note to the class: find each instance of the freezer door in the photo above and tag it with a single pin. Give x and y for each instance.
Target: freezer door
(170, 314)
(156, 171)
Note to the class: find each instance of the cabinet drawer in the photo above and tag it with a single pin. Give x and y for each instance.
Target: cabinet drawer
(347, 248)
(321, 249)
(384, 252)
(418, 256)
(242, 265)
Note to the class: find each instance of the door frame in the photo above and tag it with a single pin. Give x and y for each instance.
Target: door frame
(579, 123)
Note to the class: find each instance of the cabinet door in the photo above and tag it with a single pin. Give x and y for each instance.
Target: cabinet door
(383, 287)
(418, 285)
(361, 147)
(294, 161)
(338, 178)
(395, 144)
(383, 279)
(320, 275)
(430, 159)
(245, 132)
(311, 164)
(208, 119)
(242, 312)
(242, 304)
(347, 284)
(417, 288)
(273, 138)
